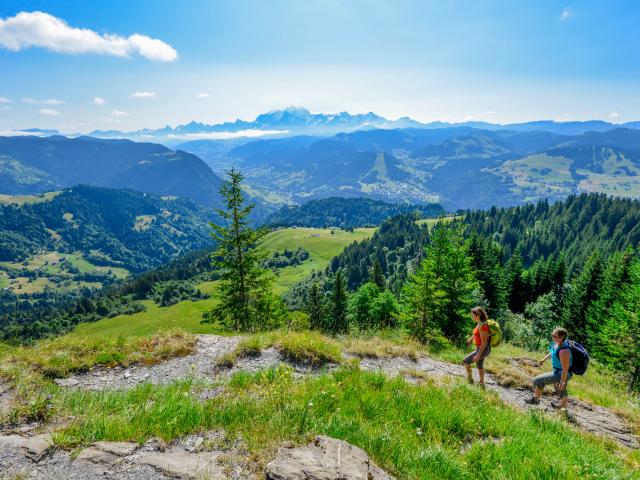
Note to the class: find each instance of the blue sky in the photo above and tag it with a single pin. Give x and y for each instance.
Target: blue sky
(500, 61)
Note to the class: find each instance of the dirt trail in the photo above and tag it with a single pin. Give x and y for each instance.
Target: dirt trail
(202, 364)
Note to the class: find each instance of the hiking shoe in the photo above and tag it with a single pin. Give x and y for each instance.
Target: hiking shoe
(532, 401)
(470, 380)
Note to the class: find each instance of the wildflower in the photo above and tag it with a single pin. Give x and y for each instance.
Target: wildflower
(418, 431)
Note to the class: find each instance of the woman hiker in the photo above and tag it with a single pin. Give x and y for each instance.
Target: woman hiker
(561, 362)
(482, 340)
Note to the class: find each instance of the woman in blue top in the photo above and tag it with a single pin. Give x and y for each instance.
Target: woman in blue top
(561, 362)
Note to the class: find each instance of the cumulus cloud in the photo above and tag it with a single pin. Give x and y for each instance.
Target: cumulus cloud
(566, 13)
(203, 95)
(44, 101)
(143, 94)
(614, 115)
(5, 100)
(49, 112)
(119, 113)
(99, 101)
(41, 30)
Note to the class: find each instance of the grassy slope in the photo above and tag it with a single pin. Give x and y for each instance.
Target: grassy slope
(414, 432)
(321, 244)
(187, 315)
(24, 199)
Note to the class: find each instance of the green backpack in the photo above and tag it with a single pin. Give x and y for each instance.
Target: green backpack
(495, 331)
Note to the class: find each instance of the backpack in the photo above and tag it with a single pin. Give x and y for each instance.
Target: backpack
(579, 357)
(495, 332)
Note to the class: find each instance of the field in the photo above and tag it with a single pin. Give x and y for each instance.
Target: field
(51, 264)
(321, 244)
(24, 199)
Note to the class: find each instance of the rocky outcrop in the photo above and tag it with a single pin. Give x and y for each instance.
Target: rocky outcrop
(325, 458)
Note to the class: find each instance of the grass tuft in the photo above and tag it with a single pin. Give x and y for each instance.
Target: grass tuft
(309, 347)
(377, 347)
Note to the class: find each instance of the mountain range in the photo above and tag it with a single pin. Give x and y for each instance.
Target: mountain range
(34, 165)
(475, 165)
(460, 167)
(300, 121)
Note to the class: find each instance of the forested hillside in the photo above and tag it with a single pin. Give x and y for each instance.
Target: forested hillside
(345, 213)
(532, 267)
(116, 227)
(34, 165)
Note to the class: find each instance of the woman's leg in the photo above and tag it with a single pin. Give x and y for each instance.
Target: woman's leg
(544, 379)
(467, 361)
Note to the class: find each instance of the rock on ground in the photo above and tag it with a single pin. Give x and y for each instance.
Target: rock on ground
(25, 457)
(325, 458)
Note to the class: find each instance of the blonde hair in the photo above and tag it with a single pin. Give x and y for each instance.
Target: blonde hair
(480, 312)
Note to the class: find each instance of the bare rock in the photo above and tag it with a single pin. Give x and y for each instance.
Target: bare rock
(120, 449)
(106, 453)
(35, 448)
(182, 464)
(94, 455)
(67, 382)
(324, 459)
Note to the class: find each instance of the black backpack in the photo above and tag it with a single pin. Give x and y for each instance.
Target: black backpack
(579, 357)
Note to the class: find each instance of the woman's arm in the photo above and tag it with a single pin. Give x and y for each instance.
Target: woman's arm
(565, 358)
(484, 336)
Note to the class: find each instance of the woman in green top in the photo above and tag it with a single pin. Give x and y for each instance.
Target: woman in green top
(561, 362)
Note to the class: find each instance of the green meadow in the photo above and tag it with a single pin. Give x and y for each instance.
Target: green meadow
(187, 315)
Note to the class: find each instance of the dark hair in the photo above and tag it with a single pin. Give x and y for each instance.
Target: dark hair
(561, 331)
(480, 312)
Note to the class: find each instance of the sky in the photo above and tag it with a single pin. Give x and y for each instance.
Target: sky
(77, 66)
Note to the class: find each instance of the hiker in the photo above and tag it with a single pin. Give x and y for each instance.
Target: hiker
(481, 339)
(561, 360)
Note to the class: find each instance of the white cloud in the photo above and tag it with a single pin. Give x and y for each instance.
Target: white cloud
(203, 95)
(229, 135)
(614, 115)
(566, 13)
(119, 113)
(39, 29)
(5, 100)
(143, 95)
(99, 101)
(45, 101)
(49, 112)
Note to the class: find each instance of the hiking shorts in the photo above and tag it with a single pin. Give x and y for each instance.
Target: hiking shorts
(551, 378)
(468, 360)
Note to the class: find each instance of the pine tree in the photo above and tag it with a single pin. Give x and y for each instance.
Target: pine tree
(614, 280)
(377, 275)
(338, 321)
(517, 289)
(422, 298)
(245, 292)
(621, 331)
(582, 293)
(453, 267)
(315, 307)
